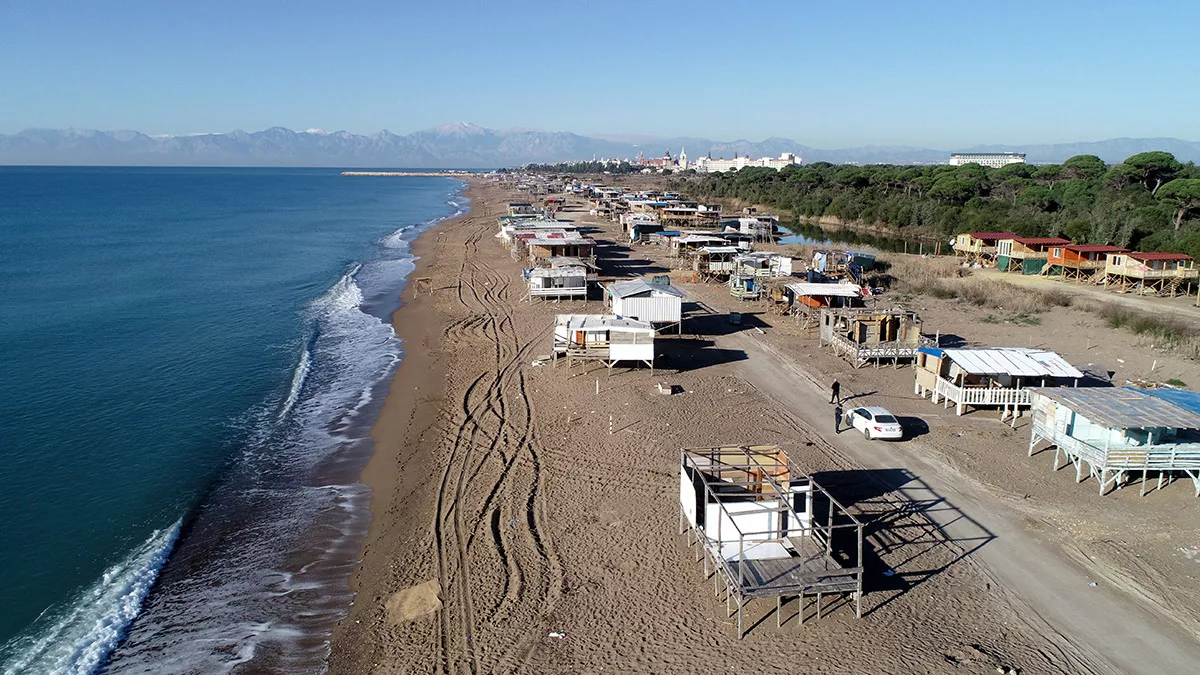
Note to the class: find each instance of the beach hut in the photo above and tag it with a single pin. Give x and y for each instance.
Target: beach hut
(1151, 273)
(563, 281)
(605, 338)
(768, 531)
(521, 208)
(818, 296)
(657, 304)
(1117, 433)
(864, 335)
(714, 261)
(1079, 262)
(993, 377)
(1026, 255)
(539, 246)
(978, 247)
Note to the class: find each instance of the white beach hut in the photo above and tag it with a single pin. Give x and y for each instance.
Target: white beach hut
(659, 304)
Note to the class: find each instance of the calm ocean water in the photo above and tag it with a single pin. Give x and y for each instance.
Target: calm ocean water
(189, 362)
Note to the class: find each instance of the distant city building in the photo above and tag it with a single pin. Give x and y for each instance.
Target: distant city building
(710, 165)
(992, 159)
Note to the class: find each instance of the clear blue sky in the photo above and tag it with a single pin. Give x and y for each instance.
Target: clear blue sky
(829, 74)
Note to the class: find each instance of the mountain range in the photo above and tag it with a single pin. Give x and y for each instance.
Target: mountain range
(463, 145)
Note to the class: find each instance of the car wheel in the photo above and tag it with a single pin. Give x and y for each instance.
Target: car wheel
(867, 433)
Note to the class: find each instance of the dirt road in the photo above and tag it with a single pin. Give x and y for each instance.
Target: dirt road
(1098, 620)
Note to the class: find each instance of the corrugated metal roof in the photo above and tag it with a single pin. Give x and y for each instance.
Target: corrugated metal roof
(719, 249)
(1142, 255)
(1188, 400)
(1014, 361)
(834, 290)
(599, 322)
(1041, 241)
(1094, 248)
(625, 289)
(1123, 408)
(992, 235)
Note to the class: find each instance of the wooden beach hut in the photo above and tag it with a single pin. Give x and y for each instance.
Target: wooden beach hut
(768, 531)
(1079, 262)
(1118, 433)
(1026, 255)
(997, 377)
(978, 247)
(1151, 273)
(865, 335)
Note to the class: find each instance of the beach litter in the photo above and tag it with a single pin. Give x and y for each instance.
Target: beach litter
(1191, 553)
(557, 635)
(889, 573)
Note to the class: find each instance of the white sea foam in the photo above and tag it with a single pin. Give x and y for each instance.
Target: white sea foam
(298, 377)
(241, 596)
(78, 639)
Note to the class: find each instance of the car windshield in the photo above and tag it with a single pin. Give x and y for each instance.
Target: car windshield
(885, 419)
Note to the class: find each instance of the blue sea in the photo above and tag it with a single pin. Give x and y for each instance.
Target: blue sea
(190, 361)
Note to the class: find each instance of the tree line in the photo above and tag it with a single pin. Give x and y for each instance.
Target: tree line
(1149, 202)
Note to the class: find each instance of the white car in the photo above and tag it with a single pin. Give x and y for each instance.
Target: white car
(875, 422)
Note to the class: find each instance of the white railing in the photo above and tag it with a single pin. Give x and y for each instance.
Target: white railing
(1164, 457)
(980, 396)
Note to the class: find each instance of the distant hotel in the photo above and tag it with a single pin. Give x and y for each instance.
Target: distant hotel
(992, 159)
(710, 165)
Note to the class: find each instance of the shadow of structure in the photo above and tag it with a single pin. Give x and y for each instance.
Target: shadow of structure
(701, 323)
(686, 354)
(908, 528)
(951, 341)
(618, 261)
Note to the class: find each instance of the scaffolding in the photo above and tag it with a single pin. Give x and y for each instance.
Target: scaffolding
(767, 531)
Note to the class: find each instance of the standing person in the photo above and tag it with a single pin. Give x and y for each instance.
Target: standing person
(835, 393)
(837, 419)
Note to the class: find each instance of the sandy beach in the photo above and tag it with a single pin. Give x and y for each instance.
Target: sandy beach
(523, 522)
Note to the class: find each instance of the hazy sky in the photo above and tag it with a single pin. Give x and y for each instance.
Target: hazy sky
(828, 74)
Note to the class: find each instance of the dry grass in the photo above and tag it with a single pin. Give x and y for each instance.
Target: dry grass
(945, 278)
(1166, 332)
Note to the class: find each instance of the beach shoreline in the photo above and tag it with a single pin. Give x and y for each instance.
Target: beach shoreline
(524, 516)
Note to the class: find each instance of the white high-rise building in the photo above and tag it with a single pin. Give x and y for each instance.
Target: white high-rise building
(993, 159)
(710, 165)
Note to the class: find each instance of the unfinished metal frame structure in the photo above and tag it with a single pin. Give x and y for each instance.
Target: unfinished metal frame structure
(742, 505)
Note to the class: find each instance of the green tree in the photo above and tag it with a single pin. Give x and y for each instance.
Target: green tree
(1049, 174)
(1084, 166)
(954, 190)
(1121, 176)
(1156, 168)
(1184, 193)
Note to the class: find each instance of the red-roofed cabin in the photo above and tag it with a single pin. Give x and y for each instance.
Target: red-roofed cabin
(978, 246)
(1079, 261)
(1142, 272)
(1026, 255)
